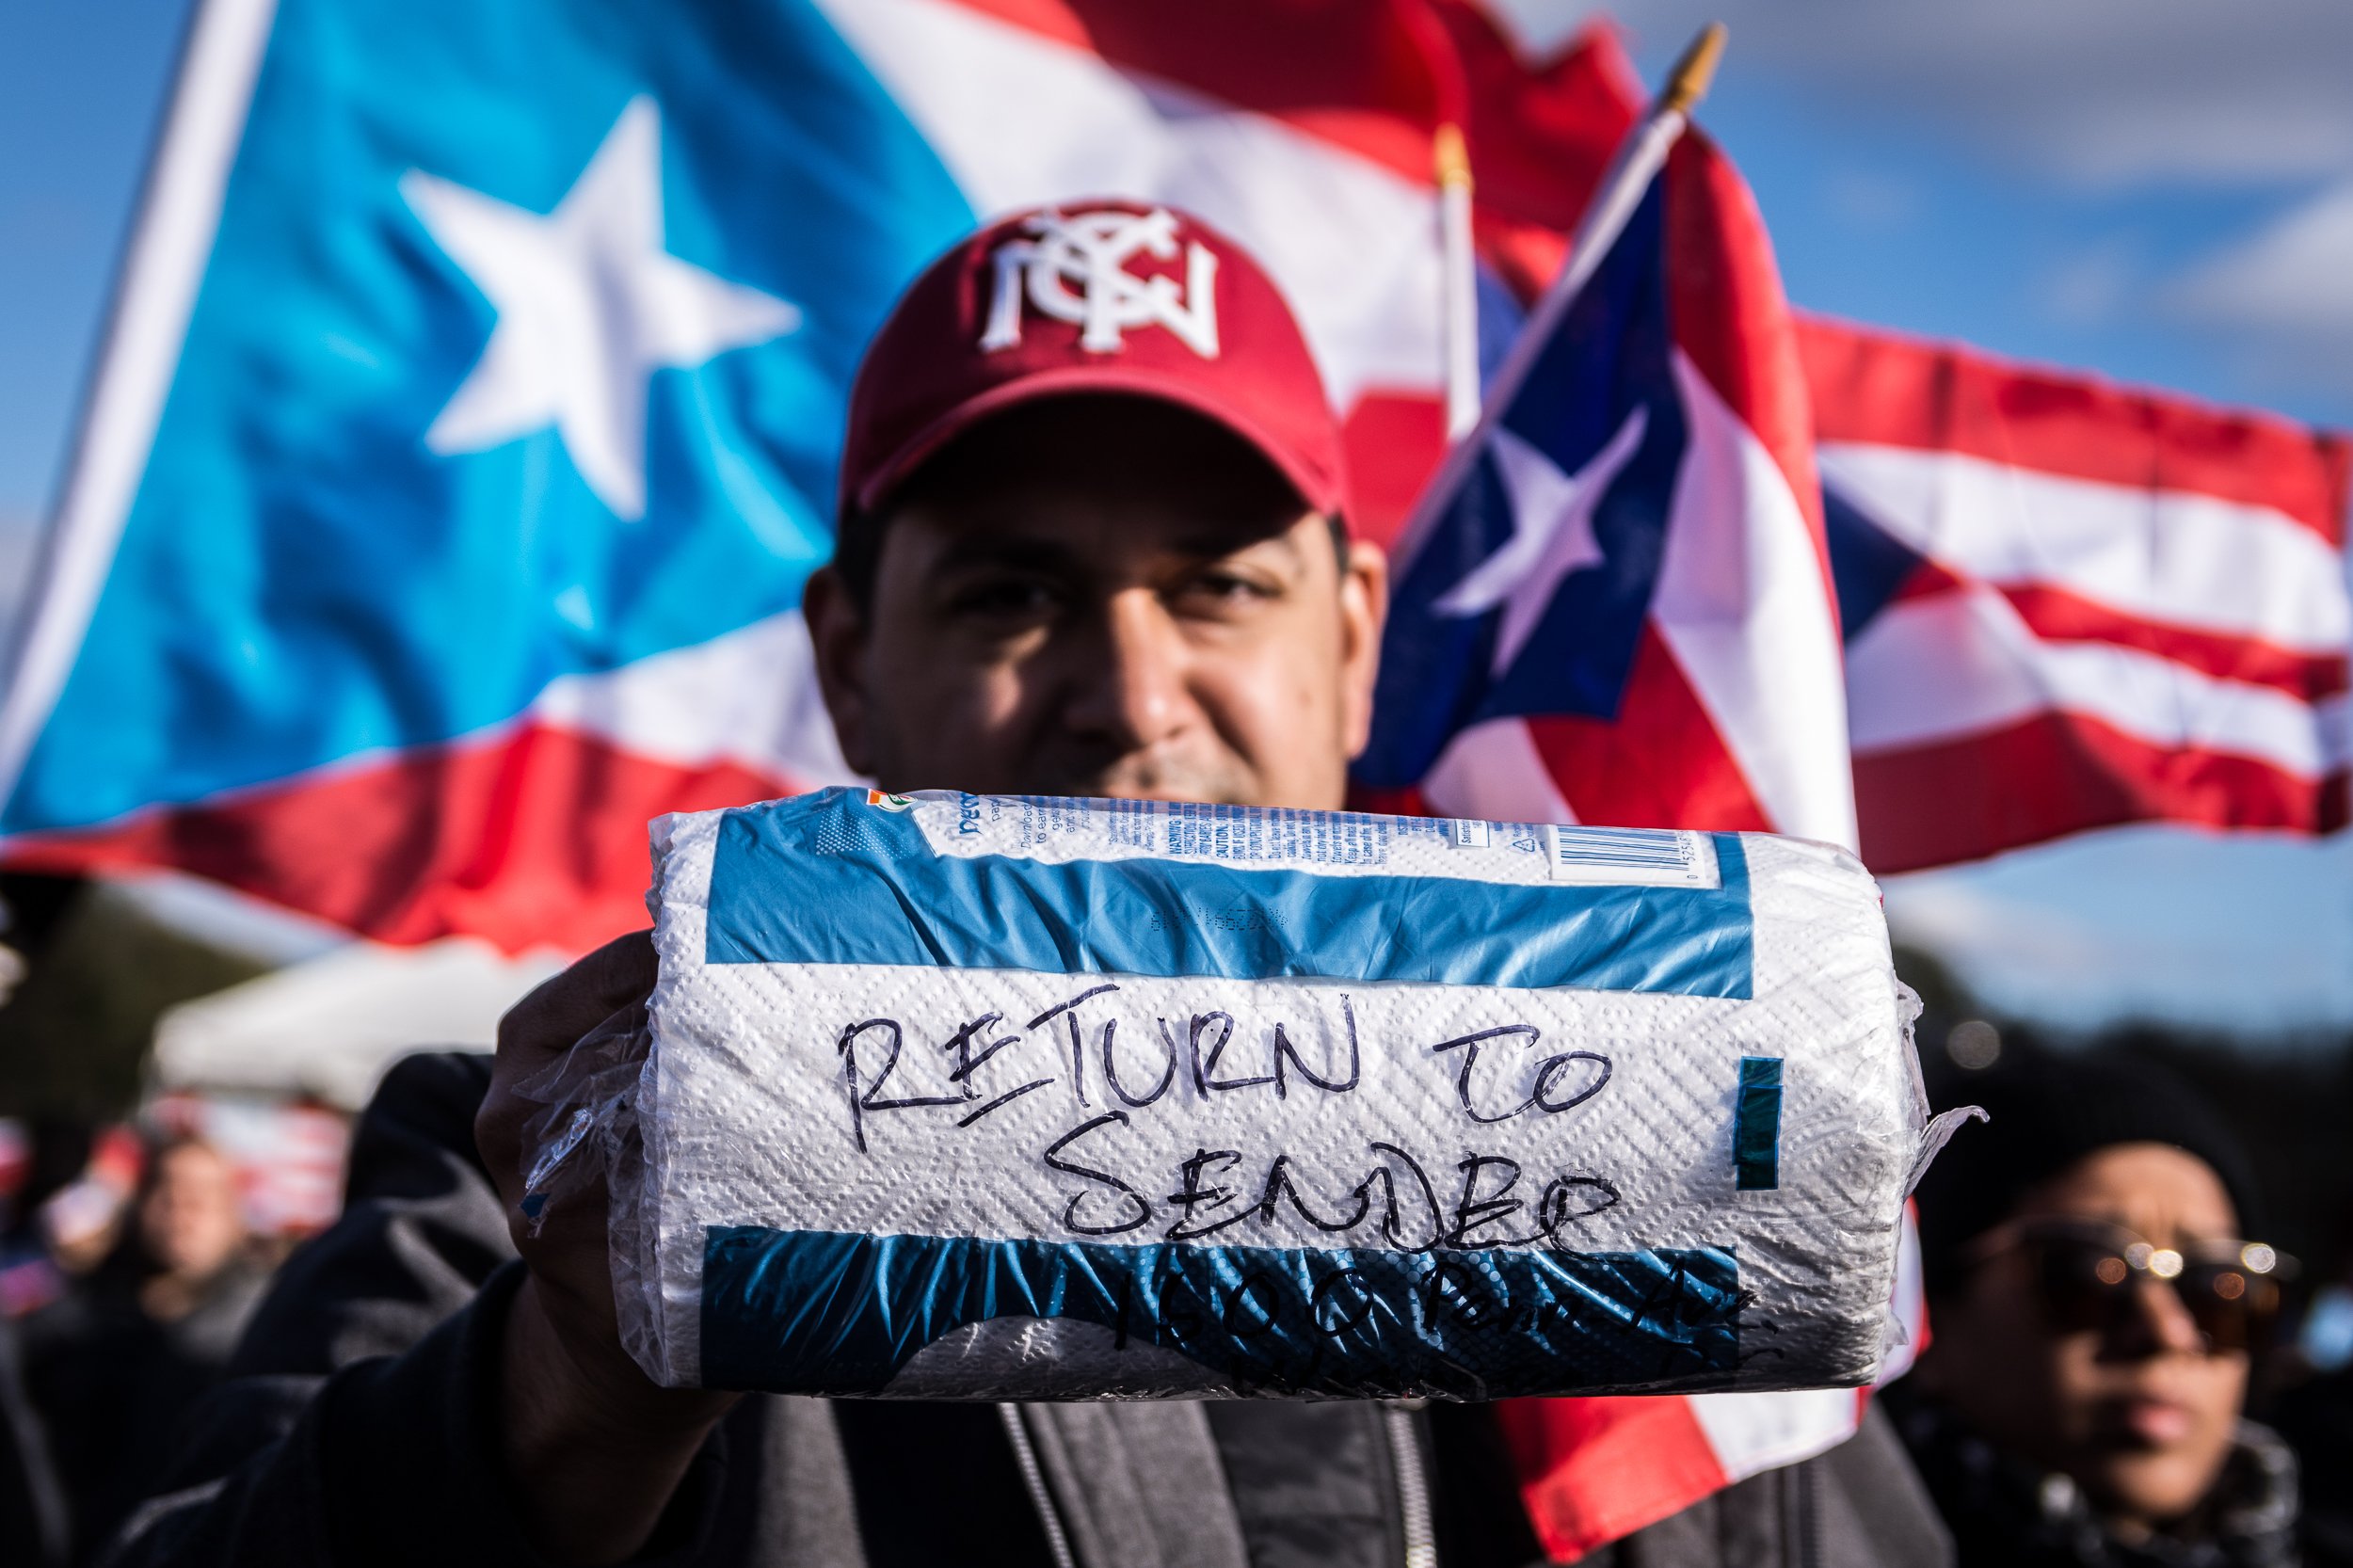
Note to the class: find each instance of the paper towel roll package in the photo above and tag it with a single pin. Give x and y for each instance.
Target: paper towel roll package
(953, 1096)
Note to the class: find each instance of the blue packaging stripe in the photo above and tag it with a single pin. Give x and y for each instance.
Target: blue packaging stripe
(835, 1313)
(829, 879)
(1756, 1125)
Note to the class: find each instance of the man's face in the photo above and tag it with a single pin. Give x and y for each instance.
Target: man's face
(190, 1220)
(2140, 1415)
(1105, 596)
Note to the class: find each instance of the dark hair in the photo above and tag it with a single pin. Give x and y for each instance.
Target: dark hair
(2045, 1112)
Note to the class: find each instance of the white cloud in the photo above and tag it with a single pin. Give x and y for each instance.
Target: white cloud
(2091, 288)
(2101, 91)
(1872, 200)
(2297, 274)
(2282, 295)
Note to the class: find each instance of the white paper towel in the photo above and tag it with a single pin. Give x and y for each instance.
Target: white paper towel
(965, 1097)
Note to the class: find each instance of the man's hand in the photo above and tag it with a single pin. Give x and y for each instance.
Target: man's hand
(594, 1447)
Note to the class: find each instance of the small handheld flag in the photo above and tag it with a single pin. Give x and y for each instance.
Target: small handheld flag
(1612, 602)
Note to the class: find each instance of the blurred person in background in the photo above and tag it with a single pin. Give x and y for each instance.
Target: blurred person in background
(114, 1364)
(81, 1223)
(2097, 1292)
(68, 1214)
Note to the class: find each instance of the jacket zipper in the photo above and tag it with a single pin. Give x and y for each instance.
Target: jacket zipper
(1033, 1476)
(1412, 1486)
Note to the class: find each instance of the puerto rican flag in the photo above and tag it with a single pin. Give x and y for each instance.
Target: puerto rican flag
(466, 422)
(2068, 604)
(1615, 605)
(1619, 608)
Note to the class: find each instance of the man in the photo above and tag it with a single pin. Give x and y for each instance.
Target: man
(1092, 543)
(2097, 1306)
(115, 1364)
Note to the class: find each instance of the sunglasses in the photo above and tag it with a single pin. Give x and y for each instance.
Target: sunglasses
(2085, 1275)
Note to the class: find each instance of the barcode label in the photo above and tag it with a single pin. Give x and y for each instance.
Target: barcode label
(1634, 856)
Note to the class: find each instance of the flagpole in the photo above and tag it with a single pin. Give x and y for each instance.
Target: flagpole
(1639, 159)
(1458, 258)
(1636, 163)
(1460, 263)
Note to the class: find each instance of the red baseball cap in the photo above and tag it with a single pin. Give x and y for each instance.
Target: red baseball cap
(1090, 297)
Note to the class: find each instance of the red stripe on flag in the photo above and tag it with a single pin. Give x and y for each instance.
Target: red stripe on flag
(1541, 136)
(2059, 616)
(1355, 74)
(1879, 388)
(1732, 322)
(536, 838)
(2056, 773)
(1659, 763)
(1596, 1469)
(1394, 442)
(1345, 71)
(1406, 802)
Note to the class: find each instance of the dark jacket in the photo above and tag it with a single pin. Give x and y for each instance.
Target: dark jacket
(361, 1429)
(110, 1386)
(2316, 1419)
(2008, 1513)
(34, 1515)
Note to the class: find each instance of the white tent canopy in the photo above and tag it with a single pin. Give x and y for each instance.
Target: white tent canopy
(328, 1028)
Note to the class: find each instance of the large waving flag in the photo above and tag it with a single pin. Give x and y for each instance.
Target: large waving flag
(466, 423)
(2068, 604)
(468, 420)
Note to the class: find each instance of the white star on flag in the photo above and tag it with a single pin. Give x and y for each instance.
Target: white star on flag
(589, 306)
(1552, 534)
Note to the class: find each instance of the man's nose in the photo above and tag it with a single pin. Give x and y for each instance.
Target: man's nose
(1131, 688)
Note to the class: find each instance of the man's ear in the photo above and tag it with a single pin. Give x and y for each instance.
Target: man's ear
(1364, 611)
(837, 636)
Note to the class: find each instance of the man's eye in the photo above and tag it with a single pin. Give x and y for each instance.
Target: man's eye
(1228, 588)
(1003, 599)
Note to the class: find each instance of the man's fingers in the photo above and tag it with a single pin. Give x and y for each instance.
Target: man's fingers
(564, 1008)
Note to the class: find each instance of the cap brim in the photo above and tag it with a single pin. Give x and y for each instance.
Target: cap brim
(1321, 491)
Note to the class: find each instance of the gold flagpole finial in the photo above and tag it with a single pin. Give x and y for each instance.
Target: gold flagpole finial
(1452, 155)
(1695, 70)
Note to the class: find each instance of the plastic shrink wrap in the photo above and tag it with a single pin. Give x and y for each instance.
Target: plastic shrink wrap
(950, 1095)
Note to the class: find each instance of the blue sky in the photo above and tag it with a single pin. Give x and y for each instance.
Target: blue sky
(81, 86)
(2158, 190)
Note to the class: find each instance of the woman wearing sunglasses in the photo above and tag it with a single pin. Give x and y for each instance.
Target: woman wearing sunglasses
(2097, 1287)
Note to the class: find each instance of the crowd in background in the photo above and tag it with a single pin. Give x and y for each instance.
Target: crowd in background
(2104, 1313)
(128, 1270)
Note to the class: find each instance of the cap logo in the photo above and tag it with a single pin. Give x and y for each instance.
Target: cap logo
(1091, 251)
